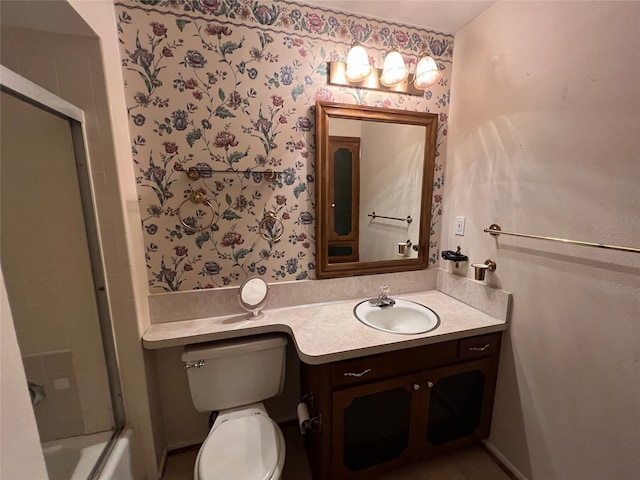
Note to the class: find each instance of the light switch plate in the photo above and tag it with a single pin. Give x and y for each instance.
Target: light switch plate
(460, 226)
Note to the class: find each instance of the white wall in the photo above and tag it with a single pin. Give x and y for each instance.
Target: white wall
(20, 454)
(390, 185)
(544, 138)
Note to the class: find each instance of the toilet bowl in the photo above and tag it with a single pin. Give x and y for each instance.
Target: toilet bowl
(243, 444)
(232, 377)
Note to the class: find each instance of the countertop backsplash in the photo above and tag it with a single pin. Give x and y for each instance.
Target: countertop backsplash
(196, 304)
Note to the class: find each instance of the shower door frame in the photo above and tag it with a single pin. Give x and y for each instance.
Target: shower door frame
(31, 93)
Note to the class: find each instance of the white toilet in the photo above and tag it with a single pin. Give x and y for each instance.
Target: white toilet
(233, 377)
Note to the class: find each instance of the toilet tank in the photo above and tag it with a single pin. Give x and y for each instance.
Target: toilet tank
(235, 372)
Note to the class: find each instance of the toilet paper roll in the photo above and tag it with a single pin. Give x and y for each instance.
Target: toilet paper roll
(304, 418)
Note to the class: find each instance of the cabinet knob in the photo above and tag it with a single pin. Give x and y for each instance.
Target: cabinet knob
(430, 384)
(416, 386)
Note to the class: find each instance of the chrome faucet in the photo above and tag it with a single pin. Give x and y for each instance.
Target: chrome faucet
(383, 299)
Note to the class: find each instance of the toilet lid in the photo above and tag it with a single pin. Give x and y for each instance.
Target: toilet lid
(244, 448)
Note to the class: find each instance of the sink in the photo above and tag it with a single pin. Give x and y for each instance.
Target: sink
(403, 317)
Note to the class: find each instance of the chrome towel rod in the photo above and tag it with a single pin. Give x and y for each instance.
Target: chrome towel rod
(495, 230)
(408, 219)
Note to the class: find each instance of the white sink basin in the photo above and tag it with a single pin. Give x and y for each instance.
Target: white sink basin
(402, 317)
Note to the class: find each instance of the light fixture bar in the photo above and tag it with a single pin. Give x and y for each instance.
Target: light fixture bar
(372, 82)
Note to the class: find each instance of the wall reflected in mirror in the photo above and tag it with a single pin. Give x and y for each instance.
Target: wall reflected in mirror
(377, 170)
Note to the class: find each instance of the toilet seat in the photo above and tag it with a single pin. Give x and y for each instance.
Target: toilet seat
(242, 445)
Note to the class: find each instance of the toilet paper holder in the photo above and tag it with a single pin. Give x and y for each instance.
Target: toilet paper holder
(305, 421)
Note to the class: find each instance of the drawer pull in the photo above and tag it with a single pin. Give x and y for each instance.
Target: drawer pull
(351, 374)
(477, 348)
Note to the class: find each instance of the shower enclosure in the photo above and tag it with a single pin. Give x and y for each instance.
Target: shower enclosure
(52, 265)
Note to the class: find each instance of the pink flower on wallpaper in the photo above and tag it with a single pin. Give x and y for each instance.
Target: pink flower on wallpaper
(170, 147)
(218, 30)
(277, 100)
(232, 238)
(181, 250)
(159, 30)
(191, 83)
(167, 52)
(226, 140)
(400, 38)
(324, 95)
(211, 5)
(315, 22)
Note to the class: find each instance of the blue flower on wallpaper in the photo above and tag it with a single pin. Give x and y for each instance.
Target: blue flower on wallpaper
(138, 119)
(194, 59)
(289, 176)
(305, 218)
(291, 266)
(211, 268)
(303, 124)
(179, 119)
(205, 170)
(286, 75)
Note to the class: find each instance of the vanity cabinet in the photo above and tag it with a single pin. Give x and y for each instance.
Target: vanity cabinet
(381, 412)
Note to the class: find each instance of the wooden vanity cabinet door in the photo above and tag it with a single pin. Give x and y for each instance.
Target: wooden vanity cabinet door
(375, 427)
(459, 405)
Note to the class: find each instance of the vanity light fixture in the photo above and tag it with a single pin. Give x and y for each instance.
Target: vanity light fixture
(427, 73)
(393, 77)
(394, 70)
(358, 67)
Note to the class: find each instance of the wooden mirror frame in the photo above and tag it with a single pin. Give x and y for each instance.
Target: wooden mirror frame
(327, 110)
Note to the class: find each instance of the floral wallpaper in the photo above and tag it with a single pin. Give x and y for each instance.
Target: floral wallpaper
(229, 87)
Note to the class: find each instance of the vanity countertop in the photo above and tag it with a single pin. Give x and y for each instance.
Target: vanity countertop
(328, 332)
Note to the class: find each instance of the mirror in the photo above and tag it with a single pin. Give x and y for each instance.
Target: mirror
(374, 182)
(253, 295)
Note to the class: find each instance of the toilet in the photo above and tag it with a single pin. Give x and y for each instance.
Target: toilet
(233, 377)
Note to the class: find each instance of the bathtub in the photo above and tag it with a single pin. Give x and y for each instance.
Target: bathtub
(103, 456)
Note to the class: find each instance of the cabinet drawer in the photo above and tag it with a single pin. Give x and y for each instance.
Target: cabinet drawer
(476, 347)
(374, 367)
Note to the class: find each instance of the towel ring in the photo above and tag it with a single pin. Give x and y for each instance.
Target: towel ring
(197, 198)
(271, 227)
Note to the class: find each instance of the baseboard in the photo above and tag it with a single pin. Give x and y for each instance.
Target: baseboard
(502, 461)
(184, 445)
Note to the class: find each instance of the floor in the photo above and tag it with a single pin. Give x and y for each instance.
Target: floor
(468, 464)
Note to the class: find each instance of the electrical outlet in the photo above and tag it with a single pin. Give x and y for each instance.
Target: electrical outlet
(460, 226)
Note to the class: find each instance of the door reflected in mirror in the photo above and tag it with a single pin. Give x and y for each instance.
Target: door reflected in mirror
(374, 189)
